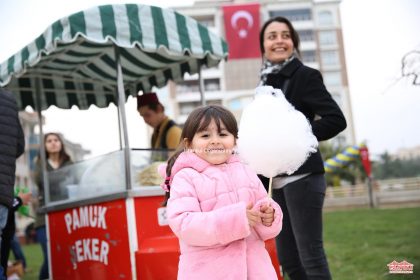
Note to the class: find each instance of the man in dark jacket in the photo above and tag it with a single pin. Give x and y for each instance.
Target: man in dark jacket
(12, 145)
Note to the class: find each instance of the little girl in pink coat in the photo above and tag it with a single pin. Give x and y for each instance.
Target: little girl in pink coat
(217, 206)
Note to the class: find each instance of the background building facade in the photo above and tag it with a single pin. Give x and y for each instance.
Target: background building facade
(233, 82)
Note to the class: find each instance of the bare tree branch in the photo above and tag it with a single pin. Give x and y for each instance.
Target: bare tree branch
(410, 66)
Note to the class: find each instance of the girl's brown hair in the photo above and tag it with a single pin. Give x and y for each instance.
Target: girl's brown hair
(198, 121)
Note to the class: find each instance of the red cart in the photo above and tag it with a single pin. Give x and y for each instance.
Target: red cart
(110, 223)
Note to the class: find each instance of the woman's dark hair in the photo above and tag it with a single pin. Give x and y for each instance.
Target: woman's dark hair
(198, 121)
(63, 156)
(293, 34)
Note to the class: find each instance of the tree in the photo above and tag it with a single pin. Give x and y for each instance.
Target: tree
(410, 66)
(388, 168)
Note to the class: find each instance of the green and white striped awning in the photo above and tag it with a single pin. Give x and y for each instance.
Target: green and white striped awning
(73, 61)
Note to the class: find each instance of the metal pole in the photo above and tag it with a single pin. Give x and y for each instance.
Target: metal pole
(122, 117)
(120, 135)
(45, 180)
(201, 86)
(370, 192)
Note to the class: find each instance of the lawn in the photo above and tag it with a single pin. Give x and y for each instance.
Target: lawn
(33, 255)
(359, 244)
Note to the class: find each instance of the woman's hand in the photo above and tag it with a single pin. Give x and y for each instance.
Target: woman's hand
(253, 216)
(267, 215)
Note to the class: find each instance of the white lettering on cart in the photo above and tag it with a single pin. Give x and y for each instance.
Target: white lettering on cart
(162, 219)
(89, 250)
(87, 216)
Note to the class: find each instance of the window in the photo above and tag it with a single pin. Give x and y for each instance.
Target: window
(206, 21)
(306, 35)
(293, 15)
(332, 78)
(212, 84)
(327, 38)
(308, 56)
(187, 86)
(190, 86)
(214, 102)
(187, 108)
(325, 18)
(205, 67)
(330, 58)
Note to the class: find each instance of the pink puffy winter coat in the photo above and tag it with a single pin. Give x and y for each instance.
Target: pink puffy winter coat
(207, 211)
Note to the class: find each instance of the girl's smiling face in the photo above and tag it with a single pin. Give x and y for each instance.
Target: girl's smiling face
(212, 145)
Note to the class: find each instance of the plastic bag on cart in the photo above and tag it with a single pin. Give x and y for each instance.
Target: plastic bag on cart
(105, 174)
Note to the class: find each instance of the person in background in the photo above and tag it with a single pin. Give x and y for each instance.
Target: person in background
(17, 251)
(57, 157)
(12, 145)
(300, 195)
(166, 133)
(10, 229)
(217, 207)
(21, 191)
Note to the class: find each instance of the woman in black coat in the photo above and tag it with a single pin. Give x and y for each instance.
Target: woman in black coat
(300, 195)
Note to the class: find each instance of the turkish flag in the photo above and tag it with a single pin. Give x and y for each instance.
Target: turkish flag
(242, 27)
(364, 155)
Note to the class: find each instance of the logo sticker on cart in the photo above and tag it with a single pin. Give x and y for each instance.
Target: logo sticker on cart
(162, 219)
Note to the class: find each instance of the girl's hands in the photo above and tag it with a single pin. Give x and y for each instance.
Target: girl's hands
(267, 215)
(253, 216)
(264, 216)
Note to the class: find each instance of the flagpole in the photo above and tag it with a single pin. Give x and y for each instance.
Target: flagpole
(370, 192)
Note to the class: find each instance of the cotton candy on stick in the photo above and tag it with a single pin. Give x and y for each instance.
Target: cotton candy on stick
(274, 138)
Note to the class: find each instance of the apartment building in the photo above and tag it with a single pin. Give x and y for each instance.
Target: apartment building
(232, 83)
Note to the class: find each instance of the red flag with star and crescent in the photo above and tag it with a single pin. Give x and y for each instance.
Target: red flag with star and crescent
(242, 26)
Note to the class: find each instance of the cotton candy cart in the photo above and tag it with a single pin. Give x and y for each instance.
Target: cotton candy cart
(106, 221)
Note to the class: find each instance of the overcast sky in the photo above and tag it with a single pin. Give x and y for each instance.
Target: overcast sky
(377, 34)
(386, 107)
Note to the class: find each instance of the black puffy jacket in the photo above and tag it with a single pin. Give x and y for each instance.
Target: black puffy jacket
(12, 145)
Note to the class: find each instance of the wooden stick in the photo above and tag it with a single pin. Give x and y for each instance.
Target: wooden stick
(270, 188)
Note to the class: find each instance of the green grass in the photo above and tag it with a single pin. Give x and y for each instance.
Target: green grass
(33, 255)
(359, 244)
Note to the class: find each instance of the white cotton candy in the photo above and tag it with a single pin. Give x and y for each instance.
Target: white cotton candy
(274, 138)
